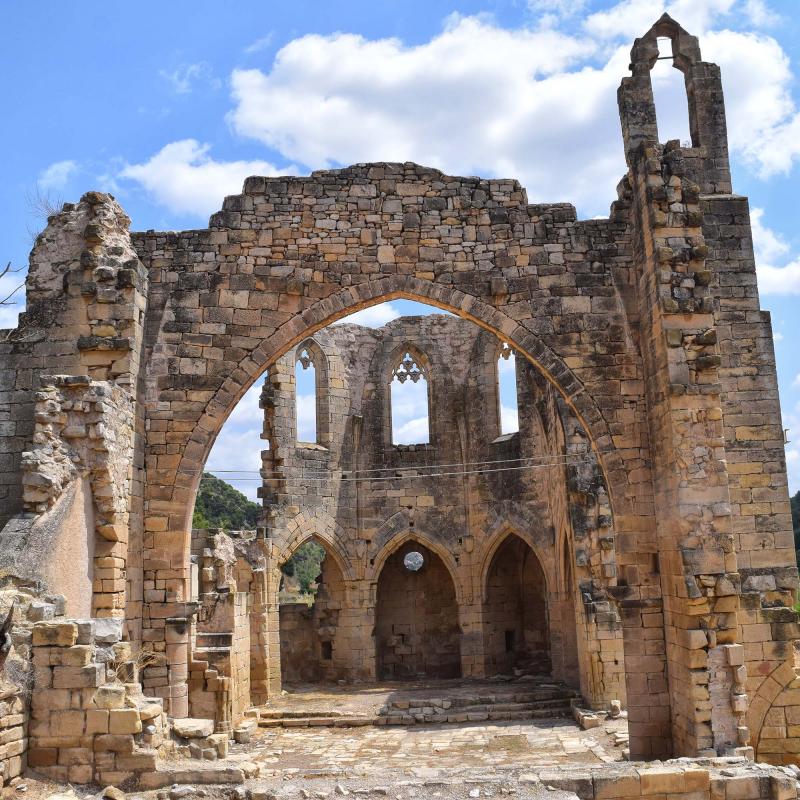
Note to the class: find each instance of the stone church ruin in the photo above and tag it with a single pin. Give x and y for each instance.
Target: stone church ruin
(630, 544)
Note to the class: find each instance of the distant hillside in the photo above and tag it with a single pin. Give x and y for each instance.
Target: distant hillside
(219, 505)
(796, 523)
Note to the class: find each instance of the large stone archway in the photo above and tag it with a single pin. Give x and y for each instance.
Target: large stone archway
(647, 324)
(226, 290)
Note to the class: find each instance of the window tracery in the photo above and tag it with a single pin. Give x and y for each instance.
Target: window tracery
(410, 420)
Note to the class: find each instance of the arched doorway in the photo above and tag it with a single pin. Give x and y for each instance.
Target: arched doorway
(515, 614)
(311, 600)
(417, 633)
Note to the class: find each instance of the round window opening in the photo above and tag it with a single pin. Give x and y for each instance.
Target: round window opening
(413, 561)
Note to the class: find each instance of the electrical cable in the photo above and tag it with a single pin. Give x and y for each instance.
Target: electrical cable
(283, 478)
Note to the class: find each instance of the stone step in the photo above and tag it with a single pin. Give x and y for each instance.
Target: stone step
(557, 693)
(190, 772)
(541, 709)
(276, 713)
(556, 712)
(499, 708)
(316, 722)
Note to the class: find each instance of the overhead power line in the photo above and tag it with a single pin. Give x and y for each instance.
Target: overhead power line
(280, 477)
(545, 460)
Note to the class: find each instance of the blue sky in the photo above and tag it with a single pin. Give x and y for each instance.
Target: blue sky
(170, 105)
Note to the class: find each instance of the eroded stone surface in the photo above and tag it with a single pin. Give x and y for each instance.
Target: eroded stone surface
(645, 326)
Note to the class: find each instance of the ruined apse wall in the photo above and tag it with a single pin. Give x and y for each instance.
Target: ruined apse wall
(621, 316)
(345, 490)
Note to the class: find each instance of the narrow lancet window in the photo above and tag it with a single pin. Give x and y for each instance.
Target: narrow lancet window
(507, 390)
(306, 388)
(409, 400)
(669, 96)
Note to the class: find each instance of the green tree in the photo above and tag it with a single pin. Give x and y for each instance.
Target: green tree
(795, 501)
(220, 505)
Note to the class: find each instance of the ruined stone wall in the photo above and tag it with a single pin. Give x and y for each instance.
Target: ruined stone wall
(85, 304)
(86, 724)
(646, 325)
(706, 358)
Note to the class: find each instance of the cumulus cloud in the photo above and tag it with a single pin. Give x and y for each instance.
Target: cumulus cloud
(770, 248)
(55, 176)
(512, 106)
(760, 14)
(9, 316)
(477, 98)
(372, 317)
(183, 177)
(415, 431)
(631, 18)
(509, 419)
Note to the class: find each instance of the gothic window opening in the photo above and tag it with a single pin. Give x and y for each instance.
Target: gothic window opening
(306, 396)
(669, 96)
(507, 390)
(409, 401)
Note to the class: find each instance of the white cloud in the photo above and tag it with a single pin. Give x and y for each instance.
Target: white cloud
(779, 280)
(184, 77)
(415, 431)
(760, 14)
(631, 18)
(260, 44)
(791, 421)
(550, 12)
(763, 121)
(56, 175)
(538, 105)
(564, 8)
(9, 317)
(183, 177)
(769, 247)
(372, 317)
(777, 336)
(796, 381)
(512, 108)
(768, 244)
